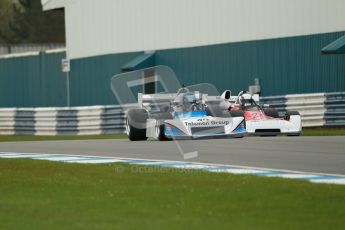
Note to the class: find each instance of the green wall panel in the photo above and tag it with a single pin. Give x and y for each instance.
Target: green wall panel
(32, 81)
(285, 65)
(36, 81)
(90, 78)
(53, 80)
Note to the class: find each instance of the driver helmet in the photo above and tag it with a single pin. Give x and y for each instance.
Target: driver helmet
(184, 102)
(182, 90)
(246, 99)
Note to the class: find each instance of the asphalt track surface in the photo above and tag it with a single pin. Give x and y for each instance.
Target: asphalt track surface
(307, 154)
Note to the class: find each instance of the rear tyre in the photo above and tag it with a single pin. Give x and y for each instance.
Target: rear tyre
(287, 117)
(271, 112)
(290, 113)
(136, 124)
(293, 134)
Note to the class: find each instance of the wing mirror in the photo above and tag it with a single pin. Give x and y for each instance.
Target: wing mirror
(226, 95)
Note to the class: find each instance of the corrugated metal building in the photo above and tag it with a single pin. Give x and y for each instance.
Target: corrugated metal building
(225, 42)
(120, 26)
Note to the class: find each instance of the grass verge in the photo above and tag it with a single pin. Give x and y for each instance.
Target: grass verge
(48, 195)
(324, 131)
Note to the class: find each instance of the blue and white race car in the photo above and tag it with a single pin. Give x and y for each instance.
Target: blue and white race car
(183, 115)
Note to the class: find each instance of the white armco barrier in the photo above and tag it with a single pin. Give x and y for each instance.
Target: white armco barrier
(310, 106)
(318, 109)
(89, 120)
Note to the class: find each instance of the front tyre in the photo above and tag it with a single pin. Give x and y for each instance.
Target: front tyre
(135, 134)
(288, 114)
(136, 125)
(291, 113)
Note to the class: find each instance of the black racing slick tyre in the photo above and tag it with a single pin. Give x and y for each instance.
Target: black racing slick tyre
(271, 112)
(290, 113)
(136, 124)
(287, 117)
(236, 113)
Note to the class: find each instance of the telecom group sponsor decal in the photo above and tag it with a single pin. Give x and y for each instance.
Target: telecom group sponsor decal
(206, 123)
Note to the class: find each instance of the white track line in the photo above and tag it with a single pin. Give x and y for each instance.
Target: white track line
(192, 162)
(211, 167)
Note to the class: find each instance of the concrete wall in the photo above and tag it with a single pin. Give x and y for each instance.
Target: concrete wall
(119, 26)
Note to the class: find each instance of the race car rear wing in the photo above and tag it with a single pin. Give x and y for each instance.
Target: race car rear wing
(147, 99)
(166, 98)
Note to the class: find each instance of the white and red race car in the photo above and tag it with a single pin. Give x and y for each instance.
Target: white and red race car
(262, 120)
